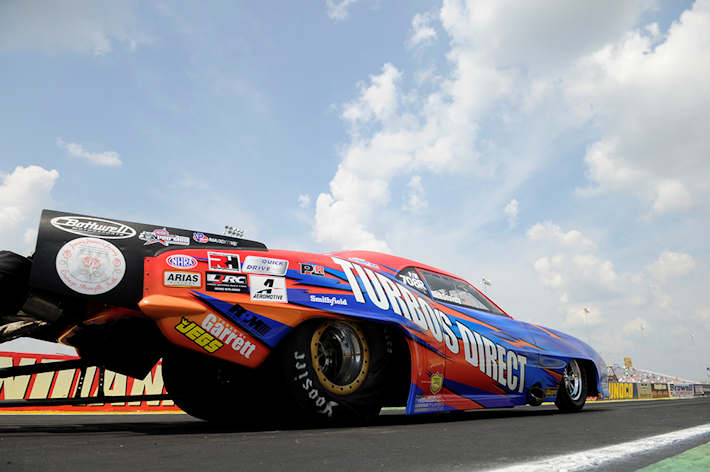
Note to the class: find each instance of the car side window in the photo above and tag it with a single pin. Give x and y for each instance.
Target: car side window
(410, 278)
(449, 290)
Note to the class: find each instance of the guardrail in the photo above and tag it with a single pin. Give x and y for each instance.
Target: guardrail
(650, 391)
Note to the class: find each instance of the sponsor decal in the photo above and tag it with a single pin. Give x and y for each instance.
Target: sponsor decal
(621, 390)
(220, 282)
(312, 269)
(644, 390)
(441, 295)
(413, 281)
(267, 289)
(198, 335)
(229, 335)
(328, 300)
(181, 261)
(437, 381)
(264, 265)
(681, 389)
(659, 390)
(495, 361)
(306, 383)
(90, 266)
(202, 238)
(95, 227)
(162, 236)
(177, 279)
(223, 262)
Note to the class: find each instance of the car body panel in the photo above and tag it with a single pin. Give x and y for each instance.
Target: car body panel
(237, 300)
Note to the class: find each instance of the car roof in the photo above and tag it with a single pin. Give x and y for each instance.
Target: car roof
(399, 263)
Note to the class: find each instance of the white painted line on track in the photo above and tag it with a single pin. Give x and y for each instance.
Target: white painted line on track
(596, 457)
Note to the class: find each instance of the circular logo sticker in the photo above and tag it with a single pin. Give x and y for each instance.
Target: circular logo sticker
(90, 266)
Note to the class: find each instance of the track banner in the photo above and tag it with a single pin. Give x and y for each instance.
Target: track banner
(621, 390)
(699, 390)
(659, 390)
(644, 391)
(65, 384)
(681, 390)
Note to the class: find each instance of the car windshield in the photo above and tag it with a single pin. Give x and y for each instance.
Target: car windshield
(450, 290)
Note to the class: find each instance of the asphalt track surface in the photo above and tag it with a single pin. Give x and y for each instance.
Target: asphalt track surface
(478, 440)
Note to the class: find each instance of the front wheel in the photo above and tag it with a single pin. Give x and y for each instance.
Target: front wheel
(335, 370)
(572, 393)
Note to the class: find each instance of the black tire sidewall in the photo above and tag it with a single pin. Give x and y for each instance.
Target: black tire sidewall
(312, 399)
(567, 404)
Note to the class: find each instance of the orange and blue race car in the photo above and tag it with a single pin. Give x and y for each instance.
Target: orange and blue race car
(248, 333)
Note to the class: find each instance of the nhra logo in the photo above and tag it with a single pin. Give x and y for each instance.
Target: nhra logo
(96, 227)
(181, 261)
(224, 262)
(311, 269)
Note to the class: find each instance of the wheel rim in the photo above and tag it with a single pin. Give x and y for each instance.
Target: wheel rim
(572, 379)
(340, 356)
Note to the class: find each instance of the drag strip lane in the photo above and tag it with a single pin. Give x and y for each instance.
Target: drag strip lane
(487, 439)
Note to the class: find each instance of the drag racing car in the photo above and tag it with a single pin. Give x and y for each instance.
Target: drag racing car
(247, 333)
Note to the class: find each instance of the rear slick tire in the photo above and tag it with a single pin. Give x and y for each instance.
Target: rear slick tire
(335, 371)
(212, 389)
(572, 393)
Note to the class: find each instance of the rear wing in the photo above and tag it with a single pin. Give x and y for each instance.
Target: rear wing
(88, 257)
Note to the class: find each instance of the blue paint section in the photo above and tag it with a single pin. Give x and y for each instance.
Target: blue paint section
(266, 330)
(347, 305)
(418, 402)
(486, 399)
(318, 280)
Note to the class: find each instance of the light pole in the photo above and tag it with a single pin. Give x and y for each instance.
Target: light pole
(586, 312)
(233, 232)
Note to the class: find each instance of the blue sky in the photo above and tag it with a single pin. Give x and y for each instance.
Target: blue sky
(557, 149)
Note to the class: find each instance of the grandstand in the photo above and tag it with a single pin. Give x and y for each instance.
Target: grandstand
(619, 373)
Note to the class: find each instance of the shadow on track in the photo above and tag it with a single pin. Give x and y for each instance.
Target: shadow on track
(175, 425)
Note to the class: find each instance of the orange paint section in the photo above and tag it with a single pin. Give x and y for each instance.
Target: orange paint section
(459, 402)
(548, 332)
(64, 384)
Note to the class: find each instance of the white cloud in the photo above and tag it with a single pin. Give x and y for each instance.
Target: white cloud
(338, 10)
(379, 101)
(503, 55)
(106, 158)
(304, 200)
(671, 195)
(82, 26)
(416, 200)
(671, 264)
(23, 194)
(422, 31)
(551, 233)
(511, 212)
(547, 270)
(636, 327)
(647, 93)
